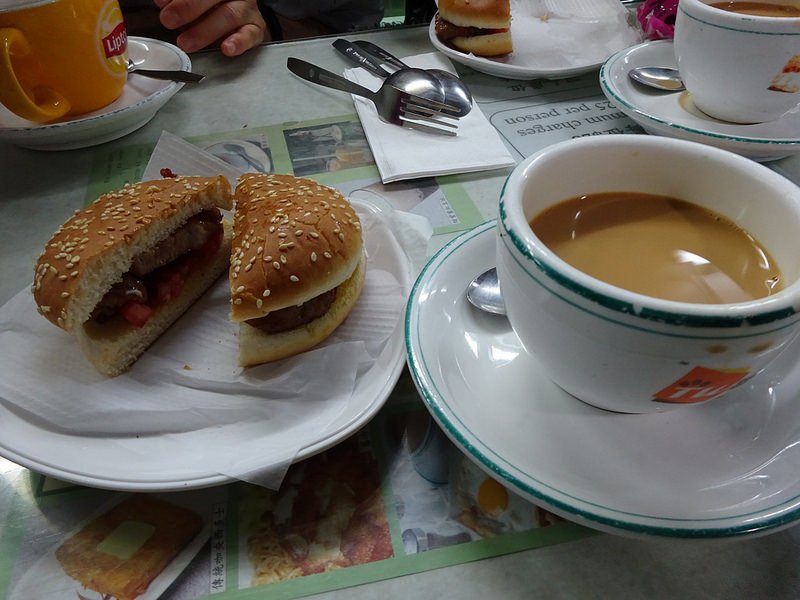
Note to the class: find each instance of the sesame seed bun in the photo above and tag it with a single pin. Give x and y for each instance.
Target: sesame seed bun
(96, 246)
(294, 240)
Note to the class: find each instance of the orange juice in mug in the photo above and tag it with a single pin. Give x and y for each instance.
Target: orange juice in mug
(61, 58)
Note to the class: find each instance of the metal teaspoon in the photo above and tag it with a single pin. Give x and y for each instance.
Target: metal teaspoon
(484, 293)
(169, 75)
(660, 78)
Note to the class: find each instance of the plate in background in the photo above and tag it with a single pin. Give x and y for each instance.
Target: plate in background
(549, 49)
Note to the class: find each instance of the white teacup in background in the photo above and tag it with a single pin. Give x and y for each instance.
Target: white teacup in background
(739, 67)
(626, 351)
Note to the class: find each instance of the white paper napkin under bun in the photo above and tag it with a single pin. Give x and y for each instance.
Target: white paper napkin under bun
(403, 153)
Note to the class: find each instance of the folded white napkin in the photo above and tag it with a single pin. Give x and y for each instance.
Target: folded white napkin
(404, 153)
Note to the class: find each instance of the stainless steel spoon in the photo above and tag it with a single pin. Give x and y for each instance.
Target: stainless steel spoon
(414, 81)
(169, 75)
(456, 93)
(660, 78)
(484, 293)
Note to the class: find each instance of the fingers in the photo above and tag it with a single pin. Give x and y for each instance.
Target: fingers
(237, 43)
(238, 23)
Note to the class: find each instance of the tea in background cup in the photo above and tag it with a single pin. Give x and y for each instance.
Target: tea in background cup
(61, 58)
(740, 61)
(627, 348)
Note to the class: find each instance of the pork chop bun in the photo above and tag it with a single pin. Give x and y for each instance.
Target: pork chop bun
(479, 27)
(297, 265)
(120, 271)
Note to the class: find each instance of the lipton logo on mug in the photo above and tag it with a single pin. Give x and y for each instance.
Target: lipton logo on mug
(62, 58)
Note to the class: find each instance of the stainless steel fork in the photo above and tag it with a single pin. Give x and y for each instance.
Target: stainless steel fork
(393, 105)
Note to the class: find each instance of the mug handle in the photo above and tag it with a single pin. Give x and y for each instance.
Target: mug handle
(47, 105)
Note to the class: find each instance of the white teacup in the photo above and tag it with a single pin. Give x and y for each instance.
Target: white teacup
(625, 351)
(738, 67)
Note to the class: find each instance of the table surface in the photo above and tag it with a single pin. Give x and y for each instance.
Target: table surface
(41, 189)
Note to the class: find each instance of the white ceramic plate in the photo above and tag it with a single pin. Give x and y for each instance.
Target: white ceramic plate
(552, 49)
(674, 114)
(141, 99)
(125, 460)
(713, 470)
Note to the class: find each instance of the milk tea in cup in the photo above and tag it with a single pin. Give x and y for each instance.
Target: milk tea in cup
(740, 61)
(659, 246)
(647, 273)
(61, 58)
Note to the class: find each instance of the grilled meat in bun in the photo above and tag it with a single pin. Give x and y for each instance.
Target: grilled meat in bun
(297, 265)
(479, 27)
(119, 272)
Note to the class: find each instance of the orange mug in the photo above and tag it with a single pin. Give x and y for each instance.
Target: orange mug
(62, 58)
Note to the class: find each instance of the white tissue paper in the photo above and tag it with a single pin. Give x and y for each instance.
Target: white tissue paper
(404, 153)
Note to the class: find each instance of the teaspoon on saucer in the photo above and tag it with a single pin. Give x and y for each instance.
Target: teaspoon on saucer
(483, 293)
(660, 78)
(169, 75)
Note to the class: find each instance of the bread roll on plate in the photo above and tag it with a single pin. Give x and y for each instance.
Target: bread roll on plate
(297, 265)
(479, 27)
(120, 271)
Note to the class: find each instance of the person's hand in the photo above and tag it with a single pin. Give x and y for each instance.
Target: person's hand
(237, 24)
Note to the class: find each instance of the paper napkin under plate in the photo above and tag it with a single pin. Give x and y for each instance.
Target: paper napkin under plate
(404, 153)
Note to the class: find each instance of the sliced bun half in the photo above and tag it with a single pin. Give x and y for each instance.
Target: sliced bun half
(96, 248)
(297, 264)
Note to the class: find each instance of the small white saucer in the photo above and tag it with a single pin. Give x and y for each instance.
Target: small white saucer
(141, 99)
(722, 469)
(675, 115)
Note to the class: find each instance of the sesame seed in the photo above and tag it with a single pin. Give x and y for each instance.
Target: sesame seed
(294, 279)
(266, 293)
